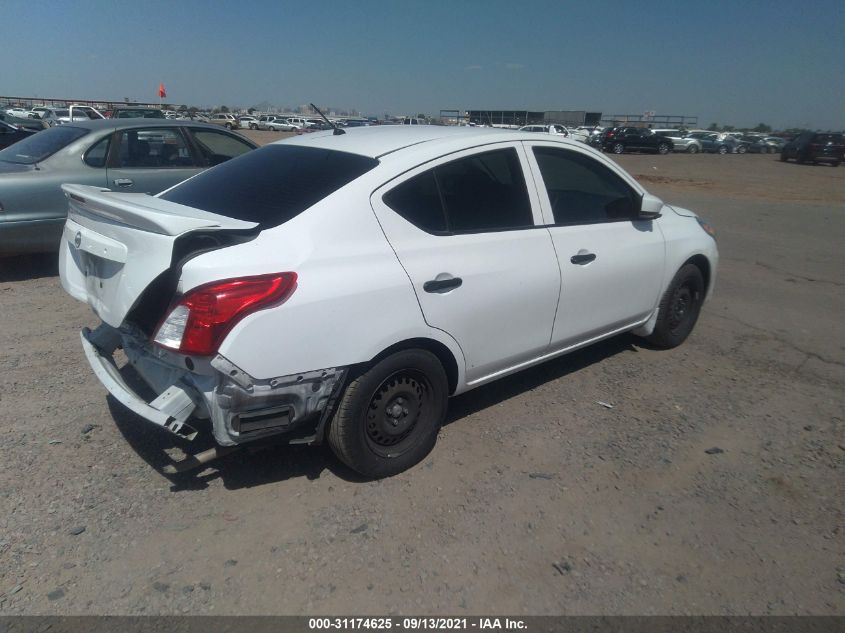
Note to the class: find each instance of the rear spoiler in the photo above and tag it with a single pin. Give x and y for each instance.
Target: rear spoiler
(145, 212)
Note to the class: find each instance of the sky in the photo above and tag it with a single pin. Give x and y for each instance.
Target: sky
(738, 62)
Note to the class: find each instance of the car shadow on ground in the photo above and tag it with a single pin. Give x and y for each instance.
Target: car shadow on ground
(23, 267)
(271, 463)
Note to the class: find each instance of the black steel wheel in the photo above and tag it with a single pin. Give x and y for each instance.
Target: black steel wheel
(388, 417)
(679, 308)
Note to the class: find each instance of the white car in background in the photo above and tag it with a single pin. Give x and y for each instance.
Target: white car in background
(376, 273)
(556, 128)
(248, 122)
(280, 124)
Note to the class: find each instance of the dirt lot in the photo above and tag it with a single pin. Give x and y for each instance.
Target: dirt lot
(537, 499)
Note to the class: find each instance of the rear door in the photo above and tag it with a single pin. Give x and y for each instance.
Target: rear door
(149, 160)
(611, 263)
(468, 231)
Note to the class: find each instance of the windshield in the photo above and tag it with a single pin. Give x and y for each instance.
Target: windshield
(272, 184)
(41, 145)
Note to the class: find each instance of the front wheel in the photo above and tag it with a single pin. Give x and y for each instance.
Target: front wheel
(741, 149)
(783, 157)
(679, 308)
(618, 148)
(389, 416)
(253, 126)
(693, 149)
(723, 149)
(663, 148)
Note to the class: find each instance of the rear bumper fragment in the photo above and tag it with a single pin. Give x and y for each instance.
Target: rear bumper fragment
(168, 410)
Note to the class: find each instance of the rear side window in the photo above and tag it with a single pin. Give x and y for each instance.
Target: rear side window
(418, 201)
(582, 191)
(272, 184)
(483, 192)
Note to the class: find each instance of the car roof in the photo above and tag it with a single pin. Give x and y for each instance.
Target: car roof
(377, 141)
(105, 124)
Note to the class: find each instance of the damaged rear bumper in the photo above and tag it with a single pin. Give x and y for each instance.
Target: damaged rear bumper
(241, 408)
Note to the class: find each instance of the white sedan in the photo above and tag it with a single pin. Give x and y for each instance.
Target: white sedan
(341, 286)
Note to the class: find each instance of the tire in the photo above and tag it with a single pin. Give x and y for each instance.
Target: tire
(252, 126)
(783, 157)
(617, 148)
(835, 164)
(388, 417)
(741, 149)
(229, 126)
(692, 149)
(679, 308)
(723, 149)
(663, 149)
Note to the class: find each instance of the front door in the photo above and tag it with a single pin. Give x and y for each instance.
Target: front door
(468, 232)
(611, 263)
(150, 160)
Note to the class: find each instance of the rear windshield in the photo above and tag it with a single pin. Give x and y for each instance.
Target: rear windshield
(44, 144)
(272, 184)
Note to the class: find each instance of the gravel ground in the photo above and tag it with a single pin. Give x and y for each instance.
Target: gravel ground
(712, 486)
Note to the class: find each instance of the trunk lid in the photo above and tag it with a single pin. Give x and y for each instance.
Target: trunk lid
(115, 244)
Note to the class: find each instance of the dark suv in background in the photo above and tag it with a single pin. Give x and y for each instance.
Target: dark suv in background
(636, 139)
(815, 147)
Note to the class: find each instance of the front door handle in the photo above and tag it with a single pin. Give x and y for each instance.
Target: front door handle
(442, 285)
(582, 258)
(123, 182)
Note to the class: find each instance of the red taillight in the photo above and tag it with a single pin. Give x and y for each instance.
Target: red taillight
(202, 318)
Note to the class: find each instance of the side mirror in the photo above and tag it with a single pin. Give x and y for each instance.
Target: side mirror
(650, 207)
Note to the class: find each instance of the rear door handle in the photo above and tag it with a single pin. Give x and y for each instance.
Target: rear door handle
(123, 182)
(582, 258)
(442, 285)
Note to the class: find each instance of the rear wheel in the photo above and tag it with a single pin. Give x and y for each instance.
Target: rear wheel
(692, 149)
(663, 148)
(679, 308)
(723, 149)
(389, 416)
(741, 149)
(618, 148)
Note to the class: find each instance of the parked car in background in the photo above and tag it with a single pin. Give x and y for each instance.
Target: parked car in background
(280, 124)
(494, 250)
(815, 147)
(557, 128)
(635, 139)
(545, 128)
(21, 113)
(229, 121)
(300, 123)
(130, 112)
(36, 124)
(716, 143)
(777, 141)
(129, 155)
(10, 134)
(759, 144)
(680, 142)
(248, 122)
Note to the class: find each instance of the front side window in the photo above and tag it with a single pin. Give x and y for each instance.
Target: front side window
(582, 191)
(218, 147)
(153, 148)
(482, 192)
